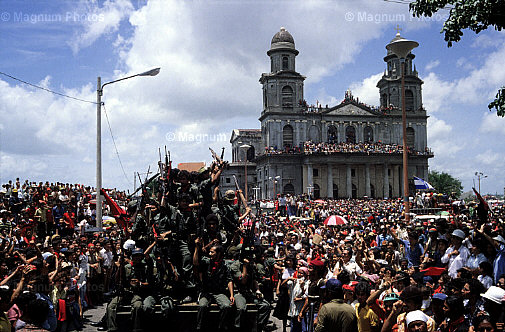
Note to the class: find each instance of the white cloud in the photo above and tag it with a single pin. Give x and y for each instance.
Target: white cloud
(436, 93)
(490, 157)
(440, 140)
(366, 90)
(96, 21)
(432, 64)
(491, 123)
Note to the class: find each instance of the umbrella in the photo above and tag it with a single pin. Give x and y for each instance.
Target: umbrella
(335, 220)
(319, 201)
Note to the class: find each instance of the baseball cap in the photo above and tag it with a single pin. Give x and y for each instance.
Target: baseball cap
(332, 285)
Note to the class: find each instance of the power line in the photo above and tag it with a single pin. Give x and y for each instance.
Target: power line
(45, 89)
(115, 146)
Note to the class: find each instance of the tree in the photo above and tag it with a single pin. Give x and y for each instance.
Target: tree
(476, 15)
(445, 183)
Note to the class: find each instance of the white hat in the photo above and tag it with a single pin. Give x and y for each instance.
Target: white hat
(129, 245)
(499, 238)
(415, 316)
(459, 233)
(494, 294)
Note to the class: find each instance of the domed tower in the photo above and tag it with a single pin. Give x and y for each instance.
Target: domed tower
(390, 83)
(283, 86)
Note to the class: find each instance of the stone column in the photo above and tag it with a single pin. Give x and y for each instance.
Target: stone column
(349, 181)
(386, 181)
(396, 182)
(367, 180)
(330, 182)
(310, 181)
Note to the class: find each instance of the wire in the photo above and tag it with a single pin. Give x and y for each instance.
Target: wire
(45, 89)
(115, 146)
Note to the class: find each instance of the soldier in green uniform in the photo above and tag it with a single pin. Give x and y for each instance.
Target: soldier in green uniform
(174, 247)
(137, 289)
(216, 282)
(245, 278)
(229, 211)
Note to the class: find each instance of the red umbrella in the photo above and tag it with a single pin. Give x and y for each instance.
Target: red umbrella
(335, 220)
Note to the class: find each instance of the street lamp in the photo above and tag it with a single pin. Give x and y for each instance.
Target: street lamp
(99, 93)
(245, 147)
(274, 180)
(401, 47)
(480, 175)
(256, 191)
(309, 190)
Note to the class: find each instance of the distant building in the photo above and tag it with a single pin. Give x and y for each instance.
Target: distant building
(191, 167)
(314, 149)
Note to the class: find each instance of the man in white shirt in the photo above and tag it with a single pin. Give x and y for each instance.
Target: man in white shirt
(349, 265)
(457, 254)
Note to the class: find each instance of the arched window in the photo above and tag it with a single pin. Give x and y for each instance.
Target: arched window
(314, 134)
(411, 137)
(350, 134)
(251, 153)
(372, 191)
(354, 191)
(285, 63)
(287, 96)
(368, 133)
(288, 189)
(384, 100)
(287, 136)
(317, 191)
(332, 134)
(409, 100)
(335, 191)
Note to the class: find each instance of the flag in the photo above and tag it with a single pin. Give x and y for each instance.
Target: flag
(422, 185)
(116, 210)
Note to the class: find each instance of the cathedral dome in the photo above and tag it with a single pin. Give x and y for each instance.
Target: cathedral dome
(282, 40)
(283, 36)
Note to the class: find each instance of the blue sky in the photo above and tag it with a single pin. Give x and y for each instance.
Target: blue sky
(212, 54)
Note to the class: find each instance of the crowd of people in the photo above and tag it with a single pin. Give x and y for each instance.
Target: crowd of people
(310, 147)
(182, 241)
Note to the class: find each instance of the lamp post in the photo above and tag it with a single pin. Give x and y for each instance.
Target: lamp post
(309, 190)
(274, 181)
(256, 191)
(401, 47)
(99, 93)
(245, 147)
(480, 175)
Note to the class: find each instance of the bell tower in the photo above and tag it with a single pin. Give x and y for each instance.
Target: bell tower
(283, 86)
(390, 83)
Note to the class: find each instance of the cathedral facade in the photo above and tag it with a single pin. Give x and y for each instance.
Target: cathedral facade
(342, 151)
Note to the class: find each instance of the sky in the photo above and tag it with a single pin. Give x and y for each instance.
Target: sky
(211, 54)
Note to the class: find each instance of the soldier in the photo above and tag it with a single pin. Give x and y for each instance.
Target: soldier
(211, 234)
(216, 281)
(173, 227)
(230, 214)
(246, 288)
(138, 279)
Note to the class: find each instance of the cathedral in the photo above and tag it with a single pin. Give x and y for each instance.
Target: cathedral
(349, 150)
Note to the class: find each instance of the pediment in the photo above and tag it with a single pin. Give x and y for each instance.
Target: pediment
(349, 109)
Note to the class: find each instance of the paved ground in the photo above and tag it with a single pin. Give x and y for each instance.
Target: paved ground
(93, 315)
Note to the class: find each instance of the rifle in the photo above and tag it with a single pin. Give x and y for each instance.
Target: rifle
(142, 201)
(250, 233)
(218, 159)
